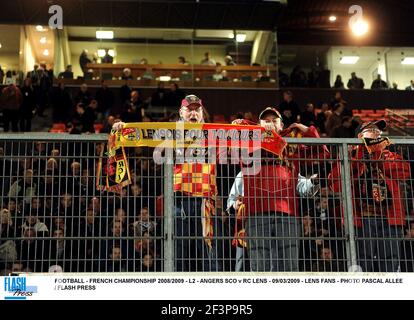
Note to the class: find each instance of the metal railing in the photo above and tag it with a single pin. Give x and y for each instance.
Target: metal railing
(342, 211)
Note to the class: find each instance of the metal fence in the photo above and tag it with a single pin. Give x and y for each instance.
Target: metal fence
(312, 212)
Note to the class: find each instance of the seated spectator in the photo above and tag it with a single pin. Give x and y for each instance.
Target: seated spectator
(105, 98)
(298, 78)
(411, 86)
(217, 76)
(84, 96)
(335, 120)
(394, 86)
(60, 251)
(355, 82)
(208, 61)
(86, 117)
(33, 222)
(175, 96)
(158, 98)
(116, 261)
(107, 58)
(326, 262)
(10, 101)
(338, 83)
(36, 207)
(308, 249)
(345, 130)
(181, 60)
(308, 117)
(25, 188)
(13, 207)
(283, 79)
(108, 123)
(126, 74)
(288, 109)
(261, 77)
(150, 263)
(67, 74)
(61, 103)
(338, 99)
(148, 74)
(379, 84)
(144, 223)
(228, 60)
(224, 76)
(135, 109)
(31, 251)
(59, 223)
(322, 117)
(6, 225)
(1, 75)
(17, 267)
(143, 61)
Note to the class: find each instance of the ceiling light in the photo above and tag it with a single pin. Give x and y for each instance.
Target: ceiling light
(46, 52)
(101, 34)
(231, 35)
(408, 61)
(39, 28)
(360, 28)
(349, 60)
(0, 45)
(43, 40)
(241, 37)
(101, 53)
(111, 52)
(332, 18)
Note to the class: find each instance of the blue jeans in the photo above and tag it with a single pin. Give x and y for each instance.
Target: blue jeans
(191, 251)
(278, 250)
(376, 255)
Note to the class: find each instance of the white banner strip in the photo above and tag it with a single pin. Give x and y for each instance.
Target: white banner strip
(211, 286)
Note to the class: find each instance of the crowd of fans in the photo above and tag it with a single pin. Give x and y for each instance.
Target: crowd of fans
(51, 213)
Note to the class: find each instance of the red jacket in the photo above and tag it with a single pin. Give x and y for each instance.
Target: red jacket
(273, 189)
(394, 171)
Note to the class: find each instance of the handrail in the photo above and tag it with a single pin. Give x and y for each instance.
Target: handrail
(389, 111)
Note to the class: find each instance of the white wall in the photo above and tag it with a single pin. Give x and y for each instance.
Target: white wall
(27, 58)
(401, 74)
(9, 61)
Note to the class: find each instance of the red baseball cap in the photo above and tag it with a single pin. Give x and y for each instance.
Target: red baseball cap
(191, 102)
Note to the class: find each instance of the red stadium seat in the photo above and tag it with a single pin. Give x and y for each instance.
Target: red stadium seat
(59, 126)
(98, 127)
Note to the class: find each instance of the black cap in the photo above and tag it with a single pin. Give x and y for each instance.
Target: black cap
(380, 124)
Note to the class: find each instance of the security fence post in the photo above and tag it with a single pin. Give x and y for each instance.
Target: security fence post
(351, 252)
(168, 217)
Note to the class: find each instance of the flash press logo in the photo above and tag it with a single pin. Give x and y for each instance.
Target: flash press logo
(17, 289)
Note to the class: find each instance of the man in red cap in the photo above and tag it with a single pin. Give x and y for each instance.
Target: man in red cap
(378, 199)
(271, 200)
(195, 190)
(195, 193)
